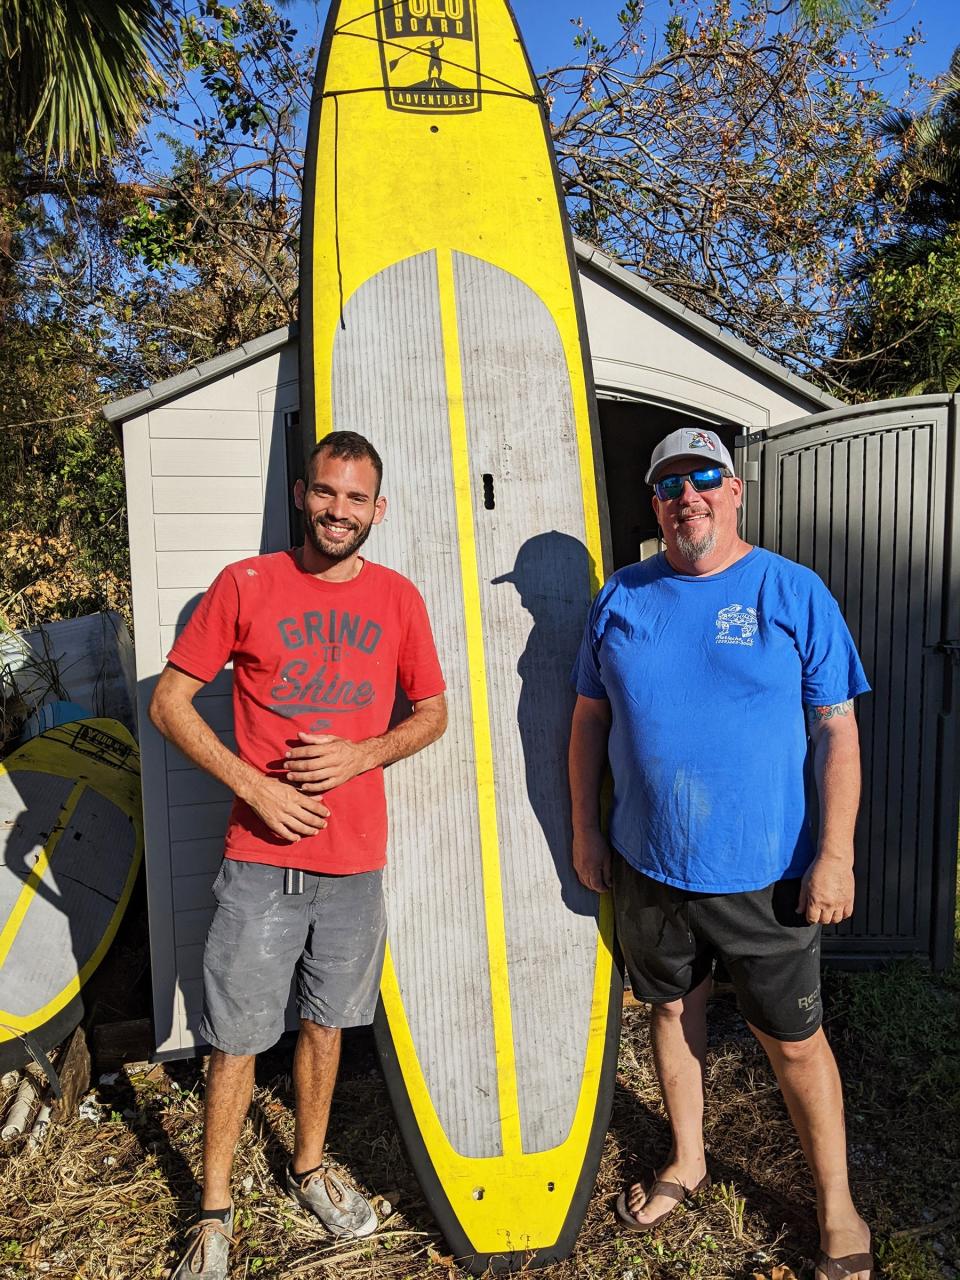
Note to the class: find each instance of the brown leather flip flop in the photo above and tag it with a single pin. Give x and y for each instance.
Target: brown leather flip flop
(848, 1265)
(673, 1190)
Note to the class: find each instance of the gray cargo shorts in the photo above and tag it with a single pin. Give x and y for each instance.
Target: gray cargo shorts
(331, 936)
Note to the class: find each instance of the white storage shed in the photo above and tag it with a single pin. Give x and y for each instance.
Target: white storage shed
(211, 456)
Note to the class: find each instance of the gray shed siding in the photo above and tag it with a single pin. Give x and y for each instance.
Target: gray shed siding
(207, 485)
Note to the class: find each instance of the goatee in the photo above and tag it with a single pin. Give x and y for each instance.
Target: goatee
(335, 550)
(693, 549)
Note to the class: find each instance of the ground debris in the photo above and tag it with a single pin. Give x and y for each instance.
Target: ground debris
(111, 1201)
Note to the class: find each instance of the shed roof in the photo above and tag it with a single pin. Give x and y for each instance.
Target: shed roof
(198, 375)
(208, 371)
(629, 280)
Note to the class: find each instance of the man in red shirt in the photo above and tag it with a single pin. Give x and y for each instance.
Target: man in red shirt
(319, 638)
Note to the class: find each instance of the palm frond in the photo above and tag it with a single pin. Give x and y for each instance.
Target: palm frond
(895, 125)
(79, 73)
(949, 84)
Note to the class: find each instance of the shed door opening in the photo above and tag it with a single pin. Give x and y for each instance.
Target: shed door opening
(629, 433)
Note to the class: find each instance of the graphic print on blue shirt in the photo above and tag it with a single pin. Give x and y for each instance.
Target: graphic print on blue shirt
(306, 685)
(707, 677)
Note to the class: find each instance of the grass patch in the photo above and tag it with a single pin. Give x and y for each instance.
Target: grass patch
(896, 1034)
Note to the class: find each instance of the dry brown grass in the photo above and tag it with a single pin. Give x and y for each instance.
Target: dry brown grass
(109, 1201)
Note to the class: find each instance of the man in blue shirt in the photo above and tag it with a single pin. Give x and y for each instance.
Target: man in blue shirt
(707, 675)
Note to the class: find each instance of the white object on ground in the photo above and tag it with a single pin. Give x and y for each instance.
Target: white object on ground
(90, 1109)
(39, 1131)
(20, 1109)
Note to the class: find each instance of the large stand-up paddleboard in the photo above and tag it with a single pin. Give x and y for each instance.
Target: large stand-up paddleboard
(71, 833)
(440, 316)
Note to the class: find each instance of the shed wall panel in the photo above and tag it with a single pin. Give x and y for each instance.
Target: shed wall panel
(199, 471)
(196, 568)
(182, 422)
(196, 857)
(194, 821)
(213, 458)
(201, 495)
(196, 786)
(192, 926)
(639, 350)
(216, 709)
(190, 961)
(175, 604)
(192, 892)
(206, 533)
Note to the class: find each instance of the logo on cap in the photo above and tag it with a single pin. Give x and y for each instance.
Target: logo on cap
(700, 440)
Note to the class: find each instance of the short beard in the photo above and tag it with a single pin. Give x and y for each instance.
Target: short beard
(693, 549)
(336, 552)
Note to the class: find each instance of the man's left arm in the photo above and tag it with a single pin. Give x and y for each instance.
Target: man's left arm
(826, 895)
(324, 762)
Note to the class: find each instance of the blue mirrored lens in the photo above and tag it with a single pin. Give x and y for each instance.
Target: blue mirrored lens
(670, 487)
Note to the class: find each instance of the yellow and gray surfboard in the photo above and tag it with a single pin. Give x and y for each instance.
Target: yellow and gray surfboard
(441, 317)
(71, 832)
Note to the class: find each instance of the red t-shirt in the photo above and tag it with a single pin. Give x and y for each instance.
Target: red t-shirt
(322, 657)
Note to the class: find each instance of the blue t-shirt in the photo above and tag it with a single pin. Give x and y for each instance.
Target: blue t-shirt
(707, 678)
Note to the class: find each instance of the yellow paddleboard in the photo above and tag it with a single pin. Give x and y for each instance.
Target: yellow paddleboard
(440, 317)
(72, 834)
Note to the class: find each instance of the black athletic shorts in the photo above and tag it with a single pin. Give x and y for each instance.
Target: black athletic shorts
(670, 938)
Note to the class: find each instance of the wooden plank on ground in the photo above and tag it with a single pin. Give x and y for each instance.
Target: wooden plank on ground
(73, 1068)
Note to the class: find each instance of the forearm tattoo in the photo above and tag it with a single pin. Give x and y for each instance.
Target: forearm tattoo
(816, 715)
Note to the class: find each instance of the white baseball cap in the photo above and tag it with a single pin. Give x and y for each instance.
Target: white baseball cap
(704, 447)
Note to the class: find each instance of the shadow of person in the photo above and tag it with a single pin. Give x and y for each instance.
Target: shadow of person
(552, 577)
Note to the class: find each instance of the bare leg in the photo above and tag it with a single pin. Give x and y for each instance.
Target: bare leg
(229, 1090)
(678, 1032)
(810, 1083)
(315, 1065)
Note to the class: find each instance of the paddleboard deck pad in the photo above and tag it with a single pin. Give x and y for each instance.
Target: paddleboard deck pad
(441, 317)
(72, 835)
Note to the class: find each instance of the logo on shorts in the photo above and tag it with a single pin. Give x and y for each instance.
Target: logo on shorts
(736, 625)
(430, 54)
(810, 1004)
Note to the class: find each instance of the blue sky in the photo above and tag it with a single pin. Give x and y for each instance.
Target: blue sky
(548, 32)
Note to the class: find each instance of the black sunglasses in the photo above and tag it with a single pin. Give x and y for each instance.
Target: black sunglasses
(669, 487)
